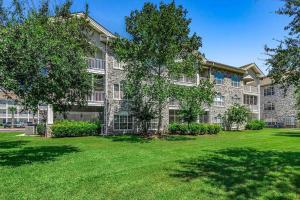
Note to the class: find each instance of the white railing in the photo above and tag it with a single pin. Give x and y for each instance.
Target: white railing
(97, 96)
(253, 108)
(250, 89)
(96, 64)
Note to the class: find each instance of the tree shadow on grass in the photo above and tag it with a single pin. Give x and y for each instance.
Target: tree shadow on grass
(140, 139)
(29, 155)
(288, 134)
(129, 138)
(12, 144)
(246, 173)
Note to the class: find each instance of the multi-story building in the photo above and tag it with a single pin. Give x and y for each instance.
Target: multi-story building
(278, 107)
(233, 85)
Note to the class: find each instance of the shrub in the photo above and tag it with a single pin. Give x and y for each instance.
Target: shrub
(194, 129)
(41, 129)
(70, 128)
(255, 125)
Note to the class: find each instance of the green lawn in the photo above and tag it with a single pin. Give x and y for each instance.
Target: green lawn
(233, 165)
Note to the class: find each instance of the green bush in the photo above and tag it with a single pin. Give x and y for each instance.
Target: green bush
(255, 125)
(41, 129)
(194, 129)
(70, 128)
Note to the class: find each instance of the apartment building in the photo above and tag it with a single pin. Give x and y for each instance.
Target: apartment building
(233, 85)
(278, 108)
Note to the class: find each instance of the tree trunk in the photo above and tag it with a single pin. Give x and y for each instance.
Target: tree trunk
(159, 119)
(12, 119)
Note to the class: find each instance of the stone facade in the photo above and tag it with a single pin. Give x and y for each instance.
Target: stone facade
(278, 108)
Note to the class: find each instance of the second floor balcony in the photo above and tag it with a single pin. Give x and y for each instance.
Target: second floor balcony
(95, 64)
(96, 97)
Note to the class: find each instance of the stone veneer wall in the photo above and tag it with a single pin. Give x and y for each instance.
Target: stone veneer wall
(284, 104)
(228, 91)
(115, 76)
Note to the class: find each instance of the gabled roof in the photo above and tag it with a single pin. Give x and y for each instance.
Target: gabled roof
(224, 66)
(97, 26)
(254, 67)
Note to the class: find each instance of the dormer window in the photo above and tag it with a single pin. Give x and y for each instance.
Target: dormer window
(219, 78)
(235, 81)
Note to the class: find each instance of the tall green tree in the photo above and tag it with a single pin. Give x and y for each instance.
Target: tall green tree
(284, 60)
(160, 47)
(42, 55)
(13, 111)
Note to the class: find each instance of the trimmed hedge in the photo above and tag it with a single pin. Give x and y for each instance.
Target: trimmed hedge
(255, 125)
(194, 129)
(70, 128)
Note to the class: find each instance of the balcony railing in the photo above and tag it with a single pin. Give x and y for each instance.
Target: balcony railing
(251, 89)
(252, 108)
(97, 96)
(96, 64)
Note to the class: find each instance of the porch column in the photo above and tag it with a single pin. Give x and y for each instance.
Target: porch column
(49, 115)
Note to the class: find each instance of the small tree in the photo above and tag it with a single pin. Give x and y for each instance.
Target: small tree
(12, 110)
(192, 99)
(237, 114)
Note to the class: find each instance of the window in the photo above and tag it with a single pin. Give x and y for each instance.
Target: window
(290, 121)
(219, 100)
(219, 78)
(3, 111)
(269, 106)
(268, 91)
(174, 116)
(235, 81)
(123, 121)
(218, 120)
(153, 124)
(185, 79)
(117, 91)
(250, 100)
(117, 65)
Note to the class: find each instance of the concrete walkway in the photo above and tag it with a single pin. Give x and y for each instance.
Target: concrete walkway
(5, 130)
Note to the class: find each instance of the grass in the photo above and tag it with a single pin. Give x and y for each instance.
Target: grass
(232, 165)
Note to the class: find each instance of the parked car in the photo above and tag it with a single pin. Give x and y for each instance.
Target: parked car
(16, 125)
(7, 125)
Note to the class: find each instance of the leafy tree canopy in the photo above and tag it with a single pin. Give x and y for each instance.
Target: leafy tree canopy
(42, 55)
(159, 49)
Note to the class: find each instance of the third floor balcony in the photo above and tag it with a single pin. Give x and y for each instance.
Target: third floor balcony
(250, 89)
(96, 65)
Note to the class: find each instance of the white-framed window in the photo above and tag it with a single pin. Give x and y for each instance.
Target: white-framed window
(117, 65)
(250, 99)
(269, 91)
(153, 124)
(218, 120)
(290, 121)
(186, 79)
(174, 116)
(117, 91)
(269, 106)
(219, 78)
(219, 100)
(235, 81)
(123, 121)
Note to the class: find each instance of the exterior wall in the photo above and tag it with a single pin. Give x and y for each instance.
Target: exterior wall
(228, 91)
(284, 105)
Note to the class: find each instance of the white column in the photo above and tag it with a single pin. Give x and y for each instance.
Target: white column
(49, 115)
(258, 100)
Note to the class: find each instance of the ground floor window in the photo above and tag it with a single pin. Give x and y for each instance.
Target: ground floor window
(218, 120)
(123, 121)
(289, 121)
(174, 116)
(152, 125)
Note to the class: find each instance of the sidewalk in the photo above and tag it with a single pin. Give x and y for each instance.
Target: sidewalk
(5, 130)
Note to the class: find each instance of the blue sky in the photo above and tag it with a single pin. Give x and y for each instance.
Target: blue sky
(234, 32)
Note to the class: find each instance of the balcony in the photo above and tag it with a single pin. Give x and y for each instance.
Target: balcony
(252, 108)
(96, 65)
(96, 97)
(250, 89)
